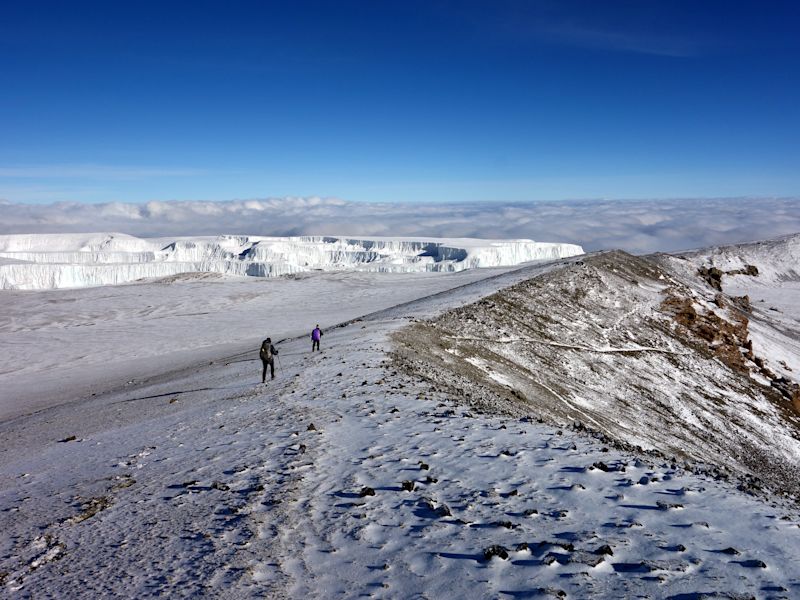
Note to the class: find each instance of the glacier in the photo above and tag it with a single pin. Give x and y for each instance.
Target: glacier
(56, 261)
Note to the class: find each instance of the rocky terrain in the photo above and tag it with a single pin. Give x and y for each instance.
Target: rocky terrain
(647, 355)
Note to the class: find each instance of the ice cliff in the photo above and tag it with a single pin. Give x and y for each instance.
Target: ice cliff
(48, 261)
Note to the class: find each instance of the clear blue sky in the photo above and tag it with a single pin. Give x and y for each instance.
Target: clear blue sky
(398, 101)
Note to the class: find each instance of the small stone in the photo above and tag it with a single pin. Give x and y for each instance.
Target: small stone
(605, 549)
(311, 427)
(644, 480)
(366, 491)
(522, 547)
(408, 486)
(730, 550)
(496, 550)
(71, 438)
(529, 512)
(601, 466)
(430, 479)
(424, 466)
(754, 564)
(443, 511)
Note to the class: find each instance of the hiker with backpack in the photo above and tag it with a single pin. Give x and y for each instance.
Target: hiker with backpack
(315, 337)
(267, 354)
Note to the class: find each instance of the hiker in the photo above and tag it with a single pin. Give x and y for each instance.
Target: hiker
(315, 337)
(267, 354)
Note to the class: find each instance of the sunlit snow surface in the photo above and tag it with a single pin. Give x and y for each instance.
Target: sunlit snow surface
(48, 261)
(177, 474)
(774, 295)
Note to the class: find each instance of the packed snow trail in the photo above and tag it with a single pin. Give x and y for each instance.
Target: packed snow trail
(344, 478)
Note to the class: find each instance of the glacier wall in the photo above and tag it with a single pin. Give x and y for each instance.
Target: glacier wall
(49, 261)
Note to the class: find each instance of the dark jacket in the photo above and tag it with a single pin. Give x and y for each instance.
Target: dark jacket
(267, 351)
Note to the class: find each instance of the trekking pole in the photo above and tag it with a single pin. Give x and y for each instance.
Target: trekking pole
(280, 367)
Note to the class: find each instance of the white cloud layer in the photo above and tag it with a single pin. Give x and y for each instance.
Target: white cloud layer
(636, 226)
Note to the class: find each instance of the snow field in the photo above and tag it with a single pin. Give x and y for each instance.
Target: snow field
(345, 476)
(210, 483)
(88, 339)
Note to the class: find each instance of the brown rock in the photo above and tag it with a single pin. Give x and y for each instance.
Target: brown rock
(743, 302)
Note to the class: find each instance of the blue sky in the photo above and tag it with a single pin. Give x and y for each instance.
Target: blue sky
(421, 102)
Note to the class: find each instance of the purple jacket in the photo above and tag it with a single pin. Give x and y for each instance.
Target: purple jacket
(316, 334)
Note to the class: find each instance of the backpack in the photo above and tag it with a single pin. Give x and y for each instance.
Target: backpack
(266, 350)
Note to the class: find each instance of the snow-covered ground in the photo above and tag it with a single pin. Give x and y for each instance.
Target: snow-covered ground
(345, 476)
(47, 261)
(86, 340)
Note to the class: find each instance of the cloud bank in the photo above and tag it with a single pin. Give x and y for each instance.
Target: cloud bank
(639, 226)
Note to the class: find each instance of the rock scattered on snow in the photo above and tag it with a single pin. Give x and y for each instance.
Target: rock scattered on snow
(495, 550)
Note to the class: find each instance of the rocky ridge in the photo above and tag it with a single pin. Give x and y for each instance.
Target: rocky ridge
(640, 353)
